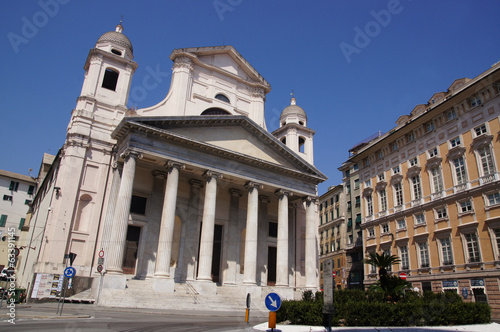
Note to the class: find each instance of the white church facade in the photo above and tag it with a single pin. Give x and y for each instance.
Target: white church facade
(190, 197)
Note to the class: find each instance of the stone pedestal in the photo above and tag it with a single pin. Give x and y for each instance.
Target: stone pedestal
(205, 287)
(163, 285)
(114, 281)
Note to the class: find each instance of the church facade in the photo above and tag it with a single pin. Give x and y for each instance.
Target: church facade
(192, 195)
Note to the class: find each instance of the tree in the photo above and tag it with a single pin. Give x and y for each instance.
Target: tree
(382, 262)
(392, 286)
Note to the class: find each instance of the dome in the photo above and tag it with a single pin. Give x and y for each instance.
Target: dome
(293, 110)
(117, 37)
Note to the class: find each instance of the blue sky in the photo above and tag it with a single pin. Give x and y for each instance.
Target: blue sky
(355, 66)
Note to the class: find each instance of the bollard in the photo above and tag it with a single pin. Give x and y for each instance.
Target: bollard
(272, 320)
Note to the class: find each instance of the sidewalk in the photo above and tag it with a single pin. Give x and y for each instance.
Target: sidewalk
(76, 310)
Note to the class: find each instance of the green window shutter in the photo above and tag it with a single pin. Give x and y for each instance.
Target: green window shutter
(21, 223)
(3, 220)
(358, 219)
(349, 223)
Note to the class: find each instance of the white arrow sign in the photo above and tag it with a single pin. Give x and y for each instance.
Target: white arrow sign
(273, 302)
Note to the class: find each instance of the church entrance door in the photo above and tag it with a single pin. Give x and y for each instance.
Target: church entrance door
(217, 253)
(271, 263)
(131, 248)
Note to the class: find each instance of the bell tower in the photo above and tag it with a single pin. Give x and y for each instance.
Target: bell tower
(293, 131)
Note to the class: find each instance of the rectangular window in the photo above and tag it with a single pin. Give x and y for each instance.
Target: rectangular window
(410, 137)
(455, 142)
(7, 198)
(446, 250)
(355, 167)
(383, 200)
(27, 202)
(110, 79)
(398, 189)
(437, 180)
(369, 205)
(385, 228)
(358, 219)
(31, 189)
(487, 164)
(394, 146)
(405, 262)
(413, 162)
(396, 170)
(441, 213)
(21, 223)
(472, 247)
(371, 232)
(424, 254)
(497, 237)
(336, 198)
(3, 220)
(433, 152)
(138, 205)
(466, 206)
(387, 253)
(451, 114)
(381, 177)
(273, 229)
(358, 202)
(460, 173)
(356, 184)
(13, 185)
(475, 101)
(368, 183)
(420, 219)
(480, 130)
(401, 224)
(494, 199)
(429, 126)
(417, 188)
(349, 206)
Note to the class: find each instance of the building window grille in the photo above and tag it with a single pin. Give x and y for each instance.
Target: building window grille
(417, 187)
(494, 199)
(437, 180)
(455, 142)
(383, 200)
(398, 189)
(466, 206)
(369, 205)
(14, 185)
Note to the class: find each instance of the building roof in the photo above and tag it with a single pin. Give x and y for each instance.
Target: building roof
(293, 109)
(16, 176)
(116, 37)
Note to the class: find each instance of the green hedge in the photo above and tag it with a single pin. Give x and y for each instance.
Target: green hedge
(359, 308)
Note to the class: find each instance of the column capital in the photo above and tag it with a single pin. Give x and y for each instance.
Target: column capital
(283, 192)
(174, 164)
(310, 199)
(250, 185)
(264, 199)
(209, 175)
(235, 192)
(196, 184)
(159, 174)
(131, 153)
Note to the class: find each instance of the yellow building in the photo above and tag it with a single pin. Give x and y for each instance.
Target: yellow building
(431, 192)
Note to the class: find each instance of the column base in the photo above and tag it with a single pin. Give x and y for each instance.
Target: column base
(114, 281)
(204, 287)
(163, 285)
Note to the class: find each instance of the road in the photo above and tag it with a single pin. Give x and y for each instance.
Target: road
(78, 318)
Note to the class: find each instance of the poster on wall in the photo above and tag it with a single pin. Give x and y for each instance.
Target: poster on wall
(47, 285)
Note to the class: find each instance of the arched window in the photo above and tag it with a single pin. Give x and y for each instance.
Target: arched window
(301, 144)
(110, 79)
(215, 111)
(220, 96)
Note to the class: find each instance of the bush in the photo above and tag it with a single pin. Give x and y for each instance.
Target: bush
(370, 308)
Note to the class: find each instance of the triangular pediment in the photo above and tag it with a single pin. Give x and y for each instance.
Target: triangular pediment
(236, 137)
(224, 58)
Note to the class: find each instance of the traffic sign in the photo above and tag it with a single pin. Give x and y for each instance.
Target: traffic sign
(334, 274)
(402, 275)
(69, 272)
(101, 253)
(99, 268)
(273, 302)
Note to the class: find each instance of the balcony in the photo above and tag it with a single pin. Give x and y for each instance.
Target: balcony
(416, 202)
(437, 195)
(488, 178)
(460, 187)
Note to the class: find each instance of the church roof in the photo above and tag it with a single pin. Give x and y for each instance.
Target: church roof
(116, 37)
(293, 109)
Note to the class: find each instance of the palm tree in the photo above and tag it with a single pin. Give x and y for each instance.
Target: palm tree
(382, 262)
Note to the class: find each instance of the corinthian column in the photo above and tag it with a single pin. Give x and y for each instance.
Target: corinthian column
(311, 246)
(207, 230)
(282, 246)
(122, 210)
(250, 272)
(167, 221)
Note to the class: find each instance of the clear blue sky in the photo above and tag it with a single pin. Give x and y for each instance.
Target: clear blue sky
(355, 66)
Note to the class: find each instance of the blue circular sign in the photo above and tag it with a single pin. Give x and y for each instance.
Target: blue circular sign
(69, 272)
(465, 292)
(273, 302)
